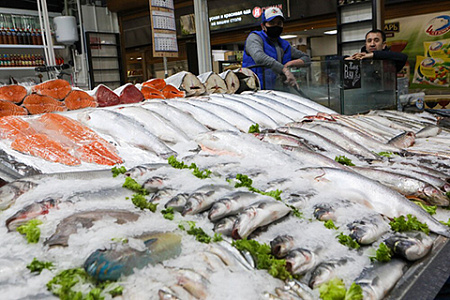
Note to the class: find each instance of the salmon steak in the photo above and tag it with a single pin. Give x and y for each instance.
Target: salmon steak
(105, 96)
(8, 108)
(14, 93)
(99, 153)
(41, 145)
(156, 83)
(90, 146)
(38, 104)
(12, 127)
(56, 88)
(151, 93)
(79, 99)
(172, 92)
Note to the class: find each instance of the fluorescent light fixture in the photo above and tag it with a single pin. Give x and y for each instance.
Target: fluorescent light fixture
(331, 32)
(139, 58)
(288, 36)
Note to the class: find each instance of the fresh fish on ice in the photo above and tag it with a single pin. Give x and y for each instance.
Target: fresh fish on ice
(300, 260)
(428, 131)
(326, 271)
(202, 198)
(188, 82)
(368, 229)
(232, 204)
(225, 225)
(403, 140)
(213, 83)
(281, 245)
(231, 81)
(411, 245)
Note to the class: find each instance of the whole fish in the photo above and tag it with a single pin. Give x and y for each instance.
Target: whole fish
(257, 215)
(371, 193)
(300, 260)
(286, 294)
(428, 131)
(368, 229)
(230, 256)
(411, 245)
(377, 280)
(154, 183)
(281, 245)
(406, 185)
(326, 271)
(13, 190)
(231, 204)
(144, 169)
(225, 225)
(304, 101)
(195, 283)
(204, 197)
(122, 259)
(328, 211)
(281, 139)
(125, 129)
(86, 219)
(178, 201)
(301, 289)
(270, 101)
(403, 140)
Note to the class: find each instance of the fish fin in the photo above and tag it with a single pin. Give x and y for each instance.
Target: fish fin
(150, 241)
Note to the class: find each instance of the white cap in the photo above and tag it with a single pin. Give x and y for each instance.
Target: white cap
(271, 13)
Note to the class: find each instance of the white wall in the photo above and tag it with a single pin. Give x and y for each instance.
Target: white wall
(325, 45)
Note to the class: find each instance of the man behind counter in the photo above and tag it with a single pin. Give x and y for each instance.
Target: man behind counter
(376, 48)
(266, 48)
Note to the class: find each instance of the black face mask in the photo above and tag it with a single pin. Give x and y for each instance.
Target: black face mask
(274, 31)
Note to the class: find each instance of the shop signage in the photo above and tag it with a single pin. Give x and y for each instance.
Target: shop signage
(237, 13)
(164, 34)
(351, 74)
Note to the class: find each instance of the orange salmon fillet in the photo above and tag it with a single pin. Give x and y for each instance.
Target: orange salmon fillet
(12, 127)
(79, 99)
(42, 146)
(97, 152)
(14, 93)
(156, 83)
(56, 88)
(37, 104)
(172, 92)
(91, 146)
(151, 93)
(8, 108)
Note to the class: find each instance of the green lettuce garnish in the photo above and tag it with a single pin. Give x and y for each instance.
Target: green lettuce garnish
(330, 224)
(37, 266)
(132, 184)
(116, 171)
(344, 160)
(261, 253)
(348, 241)
(354, 292)
(62, 285)
(333, 290)
(254, 128)
(168, 213)
(400, 224)
(141, 202)
(383, 253)
(199, 234)
(431, 209)
(386, 154)
(181, 165)
(446, 223)
(31, 231)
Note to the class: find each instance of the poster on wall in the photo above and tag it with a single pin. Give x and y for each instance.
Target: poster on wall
(426, 41)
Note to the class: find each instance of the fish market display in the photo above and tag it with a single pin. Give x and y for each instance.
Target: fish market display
(169, 190)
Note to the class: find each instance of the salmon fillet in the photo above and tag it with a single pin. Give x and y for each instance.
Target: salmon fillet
(56, 88)
(156, 83)
(90, 146)
(37, 104)
(151, 93)
(79, 99)
(41, 145)
(169, 91)
(8, 108)
(97, 152)
(14, 93)
(131, 94)
(12, 127)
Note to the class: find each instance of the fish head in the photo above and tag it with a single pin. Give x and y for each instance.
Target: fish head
(281, 245)
(320, 275)
(136, 172)
(324, 212)
(225, 225)
(193, 203)
(178, 202)
(243, 226)
(102, 267)
(30, 212)
(298, 260)
(218, 210)
(436, 196)
(161, 194)
(153, 184)
(10, 192)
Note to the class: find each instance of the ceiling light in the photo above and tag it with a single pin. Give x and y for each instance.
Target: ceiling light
(288, 36)
(139, 58)
(330, 32)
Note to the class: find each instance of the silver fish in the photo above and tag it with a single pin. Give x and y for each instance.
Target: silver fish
(368, 230)
(286, 294)
(304, 101)
(230, 256)
(270, 101)
(86, 219)
(377, 280)
(410, 245)
(225, 225)
(403, 140)
(162, 195)
(326, 271)
(257, 215)
(202, 198)
(371, 193)
(281, 139)
(231, 204)
(154, 183)
(195, 283)
(300, 260)
(11, 191)
(178, 202)
(281, 245)
(167, 295)
(428, 131)
(144, 169)
(301, 289)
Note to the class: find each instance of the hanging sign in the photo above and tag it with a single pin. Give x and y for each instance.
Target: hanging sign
(351, 74)
(164, 34)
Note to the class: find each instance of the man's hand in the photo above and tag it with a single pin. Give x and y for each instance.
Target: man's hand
(294, 63)
(290, 79)
(358, 56)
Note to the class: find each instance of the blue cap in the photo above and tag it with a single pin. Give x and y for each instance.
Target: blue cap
(271, 13)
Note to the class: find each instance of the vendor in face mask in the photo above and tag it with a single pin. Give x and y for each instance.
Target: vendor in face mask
(265, 48)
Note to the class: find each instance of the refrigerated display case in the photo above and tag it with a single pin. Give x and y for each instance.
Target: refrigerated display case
(104, 57)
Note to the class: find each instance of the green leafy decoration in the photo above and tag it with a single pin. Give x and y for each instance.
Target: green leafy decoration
(31, 231)
(117, 171)
(168, 213)
(330, 224)
(383, 254)
(344, 160)
(36, 266)
(446, 223)
(348, 241)
(354, 292)
(132, 185)
(431, 209)
(202, 174)
(254, 128)
(333, 290)
(400, 224)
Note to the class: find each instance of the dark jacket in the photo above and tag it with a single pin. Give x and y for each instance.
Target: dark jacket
(398, 58)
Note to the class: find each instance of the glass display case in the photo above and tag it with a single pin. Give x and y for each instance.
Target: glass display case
(105, 62)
